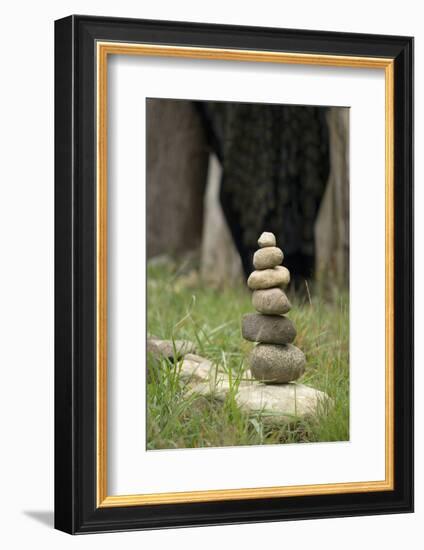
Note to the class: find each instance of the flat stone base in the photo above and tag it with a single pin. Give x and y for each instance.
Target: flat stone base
(277, 404)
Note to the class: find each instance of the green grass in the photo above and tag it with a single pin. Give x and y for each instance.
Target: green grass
(180, 307)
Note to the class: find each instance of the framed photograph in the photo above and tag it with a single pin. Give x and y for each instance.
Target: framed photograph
(233, 274)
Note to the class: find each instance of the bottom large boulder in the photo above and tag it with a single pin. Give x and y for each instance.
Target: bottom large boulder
(276, 404)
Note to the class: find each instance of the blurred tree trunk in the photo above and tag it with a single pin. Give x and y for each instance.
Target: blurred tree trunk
(220, 262)
(332, 224)
(176, 169)
(182, 217)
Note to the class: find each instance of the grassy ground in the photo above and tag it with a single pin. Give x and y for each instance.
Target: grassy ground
(180, 307)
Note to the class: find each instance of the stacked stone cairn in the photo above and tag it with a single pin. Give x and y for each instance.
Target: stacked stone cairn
(274, 359)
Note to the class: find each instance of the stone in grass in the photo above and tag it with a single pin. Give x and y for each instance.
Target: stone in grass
(272, 301)
(266, 239)
(195, 368)
(169, 349)
(268, 257)
(277, 364)
(268, 278)
(268, 329)
(276, 404)
(282, 403)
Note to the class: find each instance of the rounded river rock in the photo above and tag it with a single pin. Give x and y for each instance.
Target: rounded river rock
(272, 301)
(267, 239)
(269, 329)
(267, 257)
(274, 364)
(268, 278)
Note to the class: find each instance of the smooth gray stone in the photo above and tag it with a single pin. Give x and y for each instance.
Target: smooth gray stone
(268, 257)
(272, 301)
(269, 278)
(277, 364)
(267, 239)
(268, 329)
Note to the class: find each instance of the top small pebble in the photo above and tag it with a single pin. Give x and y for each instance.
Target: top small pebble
(267, 239)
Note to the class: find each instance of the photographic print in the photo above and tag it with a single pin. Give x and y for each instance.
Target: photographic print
(247, 234)
(233, 274)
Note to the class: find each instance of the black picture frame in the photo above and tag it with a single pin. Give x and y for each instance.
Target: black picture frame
(76, 509)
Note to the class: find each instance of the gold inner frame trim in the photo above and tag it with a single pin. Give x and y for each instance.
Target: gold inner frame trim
(103, 50)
